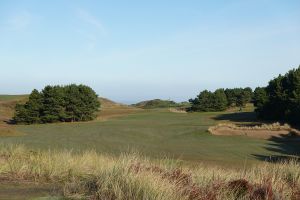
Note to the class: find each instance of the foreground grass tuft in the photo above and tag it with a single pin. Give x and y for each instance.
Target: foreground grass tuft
(93, 176)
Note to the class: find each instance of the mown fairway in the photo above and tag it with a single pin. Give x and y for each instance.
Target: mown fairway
(154, 133)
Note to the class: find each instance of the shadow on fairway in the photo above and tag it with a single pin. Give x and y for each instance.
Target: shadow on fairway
(283, 148)
(237, 117)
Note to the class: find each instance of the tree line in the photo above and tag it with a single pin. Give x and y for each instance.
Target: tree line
(58, 104)
(280, 99)
(221, 99)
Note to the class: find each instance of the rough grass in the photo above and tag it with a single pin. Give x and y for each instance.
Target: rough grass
(9, 131)
(7, 105)
(94, 176)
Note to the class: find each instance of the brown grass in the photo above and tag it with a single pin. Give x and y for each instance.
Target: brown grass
(110, 109)
(93, 176)
(7, 130)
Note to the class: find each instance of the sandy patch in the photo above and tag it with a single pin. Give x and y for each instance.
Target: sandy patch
(176, 110)
(258, 132)
(261, 134)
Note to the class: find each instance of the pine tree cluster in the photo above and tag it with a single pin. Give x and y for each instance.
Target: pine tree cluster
(58, 104)
(280, 100)
(221, 99)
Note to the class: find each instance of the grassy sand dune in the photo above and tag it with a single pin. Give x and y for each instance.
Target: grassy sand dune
(7, 105)
(94, 176)
(111, 109)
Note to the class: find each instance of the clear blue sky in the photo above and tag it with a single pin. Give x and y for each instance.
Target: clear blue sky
(135, 50)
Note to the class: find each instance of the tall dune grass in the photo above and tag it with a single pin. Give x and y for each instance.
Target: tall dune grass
(93, 176)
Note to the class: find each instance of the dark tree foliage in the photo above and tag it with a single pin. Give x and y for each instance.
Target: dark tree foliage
(53, 107)
(248, 94)
(209, 101)
(260, 98)
(231, 95)
(239, 96)
(81, 103)
(280, 100)
(58, 104)
(221, 99)
(157, 103)
(30, 112)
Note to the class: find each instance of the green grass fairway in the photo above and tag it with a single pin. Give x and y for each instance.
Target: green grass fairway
(155, 133)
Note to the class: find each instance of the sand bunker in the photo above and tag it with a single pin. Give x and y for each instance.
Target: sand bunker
(177, 110)
(261, 132)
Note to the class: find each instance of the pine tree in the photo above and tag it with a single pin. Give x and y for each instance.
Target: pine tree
(58, 104)
(53, 104)
(34, 107)
(21, 114)
(260, 98)
(29, 112)
(219, 100)
(281, 100)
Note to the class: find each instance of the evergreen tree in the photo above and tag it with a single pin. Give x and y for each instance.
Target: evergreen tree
(53, 104)
(260, 98)
(281, 100)
(58, 104)
(34, 107)
(231, 97)
(219, 100)
(21, 114)
(248, 94)
(89, 103)
(207, 101)
(30, 112)
(291, 83)
(72, 102)
(239, 96)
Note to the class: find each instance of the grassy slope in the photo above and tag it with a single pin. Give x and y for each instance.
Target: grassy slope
(7, 104)
(110, 109)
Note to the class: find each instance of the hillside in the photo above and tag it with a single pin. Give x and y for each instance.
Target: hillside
(107, 103)
(159, 103)
(109, 109)
(7, 105)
